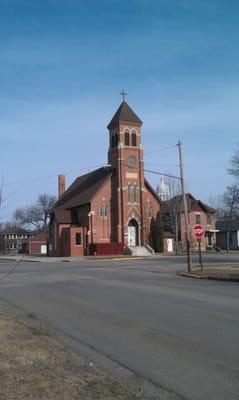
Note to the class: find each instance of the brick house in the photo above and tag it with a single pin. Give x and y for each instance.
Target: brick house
(38, 244)
(108, 209)
(198, 213)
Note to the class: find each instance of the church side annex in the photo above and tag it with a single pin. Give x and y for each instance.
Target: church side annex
(109, 210)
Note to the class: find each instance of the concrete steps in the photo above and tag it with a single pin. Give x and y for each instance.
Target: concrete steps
(141, 251)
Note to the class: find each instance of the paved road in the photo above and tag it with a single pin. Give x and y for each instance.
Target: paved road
(178, 334)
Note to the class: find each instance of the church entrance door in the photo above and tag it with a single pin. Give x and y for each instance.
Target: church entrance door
(133, 233)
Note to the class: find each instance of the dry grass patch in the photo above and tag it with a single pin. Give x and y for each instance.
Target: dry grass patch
(34, 366)
(228, 274)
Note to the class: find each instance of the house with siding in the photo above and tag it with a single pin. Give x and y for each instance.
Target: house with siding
(228, 230)
(14, 240)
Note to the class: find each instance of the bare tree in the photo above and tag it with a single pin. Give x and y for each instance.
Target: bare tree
(216, 202)
(230, 208)
(156, 233)
(1, 193)
(171, 210)
(36, 214)
(234, 170)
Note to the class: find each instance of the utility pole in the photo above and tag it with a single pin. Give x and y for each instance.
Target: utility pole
(185, 206)
(176, 231)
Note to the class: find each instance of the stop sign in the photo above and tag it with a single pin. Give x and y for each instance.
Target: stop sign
(198, 231)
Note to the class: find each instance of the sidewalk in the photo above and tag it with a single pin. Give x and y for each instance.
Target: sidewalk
(43, 259)
(46, 259)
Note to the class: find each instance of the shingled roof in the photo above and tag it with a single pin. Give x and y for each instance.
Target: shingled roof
(80, 192)
(124, 114)
(153, 192)
(177, 201)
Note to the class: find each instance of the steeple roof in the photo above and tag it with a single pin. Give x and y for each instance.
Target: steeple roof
(124, 114)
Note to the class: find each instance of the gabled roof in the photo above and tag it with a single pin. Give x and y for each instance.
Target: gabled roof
(80, 192)
(149, 187)
(13, 230)
(124, 114)
(38, 237)
(177, 202)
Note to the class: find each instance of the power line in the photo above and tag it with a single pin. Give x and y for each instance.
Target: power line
(161, 173)
(162, 165)
(161, 149)
(50, 176)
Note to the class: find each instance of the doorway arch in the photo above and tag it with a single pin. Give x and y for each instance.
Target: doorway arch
(133, 233)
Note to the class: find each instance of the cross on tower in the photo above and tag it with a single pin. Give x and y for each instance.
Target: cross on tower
(123, 94)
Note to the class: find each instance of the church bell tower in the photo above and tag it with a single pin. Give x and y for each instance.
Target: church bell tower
(125, 155)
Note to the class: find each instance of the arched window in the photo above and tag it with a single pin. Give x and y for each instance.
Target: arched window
(112, 141)
(116, 139)
(149, 212)
(133, 139)
(126, 138)
(103, 210)
(132, 194)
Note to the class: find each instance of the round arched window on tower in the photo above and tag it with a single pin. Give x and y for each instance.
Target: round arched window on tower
(126, 138)
(133, 139)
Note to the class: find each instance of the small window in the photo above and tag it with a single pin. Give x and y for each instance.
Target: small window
(197, 219)
(78, 239)
(209, 219)
(133, 139)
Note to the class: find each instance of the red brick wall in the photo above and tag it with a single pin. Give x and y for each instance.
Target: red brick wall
(55, 239)
(69, 248)
(35, 247)
(101, 225)
(77, 250)
(124, 177)
(192, 222)
(149, 201)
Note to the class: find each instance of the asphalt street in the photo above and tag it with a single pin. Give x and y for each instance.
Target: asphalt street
(177, 336)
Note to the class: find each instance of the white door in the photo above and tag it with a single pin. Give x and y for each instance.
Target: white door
(132, 236)
(43, 249)
(170, 245)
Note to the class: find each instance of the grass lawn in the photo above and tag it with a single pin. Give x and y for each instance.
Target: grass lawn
(35, 366)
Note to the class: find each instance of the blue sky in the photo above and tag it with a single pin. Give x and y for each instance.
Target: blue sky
(63, 64)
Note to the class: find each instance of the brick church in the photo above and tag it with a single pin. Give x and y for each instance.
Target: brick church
(109, 210)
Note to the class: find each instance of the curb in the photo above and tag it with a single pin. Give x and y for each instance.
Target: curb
(211, 277)
(189, 275)
(114, 258)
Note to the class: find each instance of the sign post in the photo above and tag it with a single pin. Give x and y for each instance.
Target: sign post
(200, 253)
(199, 233)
